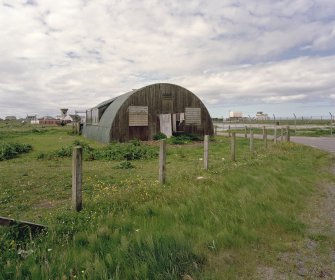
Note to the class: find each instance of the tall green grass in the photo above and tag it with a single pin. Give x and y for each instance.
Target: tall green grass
(213, 224)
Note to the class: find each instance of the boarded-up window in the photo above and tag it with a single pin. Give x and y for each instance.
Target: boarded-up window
(192, 116)
(138, 115)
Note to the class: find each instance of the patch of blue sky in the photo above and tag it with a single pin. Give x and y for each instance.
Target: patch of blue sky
(72, 55)
(304, 51)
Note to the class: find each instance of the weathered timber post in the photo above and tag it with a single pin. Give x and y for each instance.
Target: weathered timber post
(265, 138)
(245, 132)
(228, 130)
(263, 132)
(162, 161)
(206, 144)
(215, 130)
(281, 134)
(251, 141)
(275, 135)
(78, 128)
(77, 178)
(233, 147)
(287, 134)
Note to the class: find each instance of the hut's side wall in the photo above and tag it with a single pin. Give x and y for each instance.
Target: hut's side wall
(96, 132)
(160, 99)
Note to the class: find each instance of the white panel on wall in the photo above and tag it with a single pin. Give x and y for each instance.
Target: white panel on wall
(138, 115)
(192, 116)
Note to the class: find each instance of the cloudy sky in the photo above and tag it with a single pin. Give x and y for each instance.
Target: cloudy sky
(247, 55)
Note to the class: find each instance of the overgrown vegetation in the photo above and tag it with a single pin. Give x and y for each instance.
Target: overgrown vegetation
(11, 150)
(134, 150)
(215, 224)
(159, 136)
(184, 138)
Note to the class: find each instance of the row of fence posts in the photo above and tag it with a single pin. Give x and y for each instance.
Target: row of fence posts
(77, 160)
(286, 133)
(275, 128)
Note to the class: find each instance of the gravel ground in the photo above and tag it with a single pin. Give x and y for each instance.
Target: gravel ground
(314, 256)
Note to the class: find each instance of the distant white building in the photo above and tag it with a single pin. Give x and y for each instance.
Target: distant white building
(235, 115)
(261, 116)
(32, 119)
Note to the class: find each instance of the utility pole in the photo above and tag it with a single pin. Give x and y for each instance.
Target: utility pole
(295, 124)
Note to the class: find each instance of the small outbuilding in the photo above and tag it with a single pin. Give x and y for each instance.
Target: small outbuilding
(143, 113)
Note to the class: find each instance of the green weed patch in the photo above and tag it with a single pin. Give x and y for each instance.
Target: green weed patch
(11, 150)
(133, 150)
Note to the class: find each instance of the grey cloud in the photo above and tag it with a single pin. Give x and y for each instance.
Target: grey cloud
(75, 53)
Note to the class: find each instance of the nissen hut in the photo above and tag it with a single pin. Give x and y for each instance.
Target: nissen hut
(142, 113)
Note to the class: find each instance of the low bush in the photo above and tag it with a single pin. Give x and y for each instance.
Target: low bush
(184, 139)
(125, 151)
(11, 150)
(115, 151)
(159, 136)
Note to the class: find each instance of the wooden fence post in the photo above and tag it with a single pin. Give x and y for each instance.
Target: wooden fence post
(229, 131)
(245, 132)
(275, 135)
(281, 134)
(265, 138)
(233, 147)
(287, 134)
(251, 141)
(206, 144)
(77, 178)
(162, 161)
(215, 130)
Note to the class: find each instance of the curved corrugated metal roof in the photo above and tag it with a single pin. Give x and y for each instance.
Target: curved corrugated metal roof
(109, 101)
(107, 118)
(101, 132)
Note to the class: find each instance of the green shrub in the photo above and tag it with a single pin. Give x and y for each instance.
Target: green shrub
(11, 150)
(159, 136)
(184, 139)
(126, 151)
(114, 151)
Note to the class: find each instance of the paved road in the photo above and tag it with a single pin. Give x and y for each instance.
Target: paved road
(322, 143)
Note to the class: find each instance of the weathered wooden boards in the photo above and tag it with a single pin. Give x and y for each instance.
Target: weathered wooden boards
(23, 226)
(162, 161)
(77, 177)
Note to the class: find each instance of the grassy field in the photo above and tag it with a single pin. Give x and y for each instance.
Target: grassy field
(218, 224)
